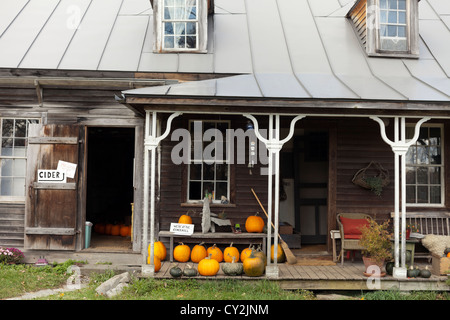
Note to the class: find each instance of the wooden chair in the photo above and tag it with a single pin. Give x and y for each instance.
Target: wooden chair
(350, 241)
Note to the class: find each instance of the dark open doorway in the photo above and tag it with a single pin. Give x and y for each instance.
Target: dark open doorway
(110, 186)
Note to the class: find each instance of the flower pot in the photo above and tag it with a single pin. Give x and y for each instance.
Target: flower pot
(408, 233)
(373, 272)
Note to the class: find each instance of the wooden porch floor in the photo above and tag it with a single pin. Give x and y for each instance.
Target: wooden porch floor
(328, 277)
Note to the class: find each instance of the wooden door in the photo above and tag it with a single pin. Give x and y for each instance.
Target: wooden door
(51, 208)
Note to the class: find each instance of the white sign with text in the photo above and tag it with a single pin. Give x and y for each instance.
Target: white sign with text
(182, 228)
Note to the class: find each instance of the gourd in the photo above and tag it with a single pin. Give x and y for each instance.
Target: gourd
(253, 266)
(281, 257)
(425, 273)
(259, 253)
(208, 266)
(156, 262)
(198, 253)
(176, 271)
(231, 252)
(124, 231)
(246, 253)
(215, 253)
(254, 224)
(413, 273)
(185, 218)
(159, 250)
(232, 268)
(189, 271)
(390, 267)
(115, 230)
(182, 252)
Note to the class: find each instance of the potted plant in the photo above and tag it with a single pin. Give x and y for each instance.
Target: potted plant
(376, 241)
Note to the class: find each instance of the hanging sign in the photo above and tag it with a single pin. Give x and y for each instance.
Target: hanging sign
(67, 167)
(182, 228)
(51, 176)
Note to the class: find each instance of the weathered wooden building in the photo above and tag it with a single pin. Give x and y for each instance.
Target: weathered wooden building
(339, 84)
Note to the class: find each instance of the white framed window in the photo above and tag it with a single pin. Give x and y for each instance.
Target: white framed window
(180, 25)
(209, 170)
(425, 167)
(13, 157)
(393, 25)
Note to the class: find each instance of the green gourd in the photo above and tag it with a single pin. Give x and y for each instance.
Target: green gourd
(232, 268)
(176, 271)
(189, 271)
(425, 273)
(413, 273)
(390, 267)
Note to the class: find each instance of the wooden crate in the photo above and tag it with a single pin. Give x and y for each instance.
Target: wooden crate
(440, 265)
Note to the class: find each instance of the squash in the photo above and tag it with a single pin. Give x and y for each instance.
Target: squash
(99, 228)
(182, 252)
(108, 228)
(253, 266)
(189, 271)
(254, 224)
(208, 266)
(390, 267)
(259, 253)
(281, 257)
(246, 253)
(232, 268)
(115, 230)
(412, 273)
(124, 231)
(198, 253)
(159, 250)
(215, 253)
(156, 262)
(185, 218)
(425, 273)
(176, 271)
(231, 252)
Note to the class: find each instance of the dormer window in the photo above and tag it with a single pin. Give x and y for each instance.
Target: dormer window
(180, 25)
(387, 28)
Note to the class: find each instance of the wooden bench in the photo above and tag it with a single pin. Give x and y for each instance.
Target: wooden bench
(215, 238)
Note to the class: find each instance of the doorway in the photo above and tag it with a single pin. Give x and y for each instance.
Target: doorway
(311, 186)
(110, 192)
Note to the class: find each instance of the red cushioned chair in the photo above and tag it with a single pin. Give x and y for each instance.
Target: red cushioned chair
(349, 228)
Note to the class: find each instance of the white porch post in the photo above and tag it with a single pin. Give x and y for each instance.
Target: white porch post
(151, 142)
(400, 148)
(273, 145)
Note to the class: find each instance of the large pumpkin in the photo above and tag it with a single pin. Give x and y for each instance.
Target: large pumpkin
(246, 253)
(159, 250)
(156, 262)
(108, 228)
(198, 253)
(231, 252)
(253, 266)
(215, 253)
(124, 231)
(281, 257)
(254, 224)
(115, 230)
(185, 218)
(182, 252)
(208, 266)
(99, 228)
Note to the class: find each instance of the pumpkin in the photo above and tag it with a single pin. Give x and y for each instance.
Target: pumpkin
(254, 224)
(413, 273)
(108, 228)
(232, 268)
(185, 218)
(156, 262)
(215, 253)
(425, 273)
(182, 252)
(198, 253)
(124, 231)
(159, 250)
(208, 266)
(99, 228)
(390, 267)
(281, 257)
(231, 252)
(189, 271)
(253, 266)
(246, 253)
(115, 230)
(259, 253)
(176, 271)
(448, 255)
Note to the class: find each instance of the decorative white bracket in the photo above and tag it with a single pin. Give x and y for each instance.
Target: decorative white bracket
(273, 145)
(400, 147)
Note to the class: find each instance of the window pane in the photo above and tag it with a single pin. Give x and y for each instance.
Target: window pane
(435, 175)
(384, 4)
(208, 171)
(6, 187)
(402, 4)
(221, 172)
(401, 31)
(168, 42)
(422, 175)
(208, 188)
(195, 190)
(422, 194)
(18, 188)
(7, 127)
(410, 176)
(20, 128)
(435, 195)
(392, 4)
(168, 28)
(7, 147)
(195, 172)
(191, 28)
(180, 42)
(7, 167)
(19, 148)
(392, 17)
(222, 190)
(191, 42)
(383, 16)
(410, 194)
(168, 13)
(392, 31)
(402, 17)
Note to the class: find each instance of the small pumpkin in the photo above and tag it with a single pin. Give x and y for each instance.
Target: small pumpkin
(185, 218)
(159, 249)
(182, 252)
(189, 271)
(412, 273)
(208, 266)
(390, 267)
(232, 268)
(254, 224)
(198, 253)
(246, 253)
(215, 253)
(156, 262)
(176, 271)
(253, 266)
(281, 257)
(425, 273)
(231, 252)
(124, 231)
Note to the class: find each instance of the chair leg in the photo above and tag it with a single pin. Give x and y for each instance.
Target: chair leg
(342, 257)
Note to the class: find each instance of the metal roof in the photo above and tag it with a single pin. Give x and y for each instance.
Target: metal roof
(280, 48)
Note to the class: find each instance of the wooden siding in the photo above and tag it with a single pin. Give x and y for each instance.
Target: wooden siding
(12, 224)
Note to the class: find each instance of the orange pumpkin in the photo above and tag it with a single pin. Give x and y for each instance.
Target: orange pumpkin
(124, 231)
(185, 218)
(156, 262)
(159, 249)
(115, 230)
(246, 253)
(208, 266)
(108, 228)
(231, 252)
(198, 253)
(99, 228)
(254, 224)
(253, 266)
(448, 255)
(182, 252)
(215, 253)
(280, 254)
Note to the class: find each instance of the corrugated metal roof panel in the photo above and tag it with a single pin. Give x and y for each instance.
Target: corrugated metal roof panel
(9, 11)
(429, 72)
(436, 36)
(238, 86)
(282, 85)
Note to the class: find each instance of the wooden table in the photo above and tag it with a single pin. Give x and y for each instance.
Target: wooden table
(215, 238)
